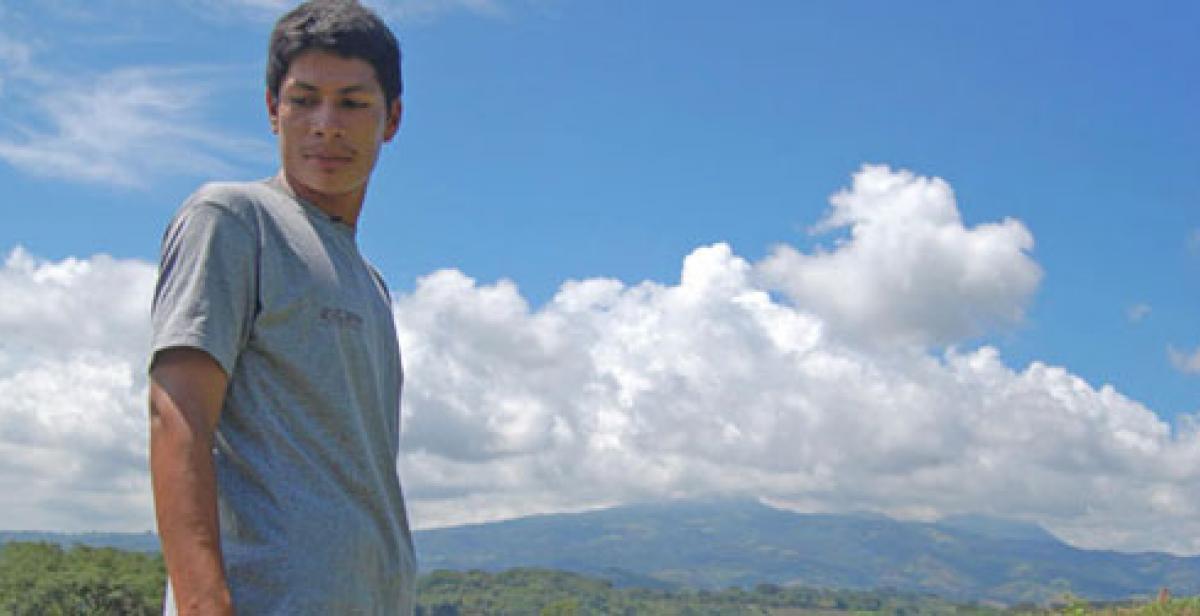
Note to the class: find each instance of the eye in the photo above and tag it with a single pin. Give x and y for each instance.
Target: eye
(302, 101)
(350, 103)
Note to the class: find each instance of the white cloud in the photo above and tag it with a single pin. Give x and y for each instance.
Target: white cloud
(15, 55)
(225, 10)
(425, 10)
(125, 127)
(404, 11)
(274, 5)
(910, 271)
(72, 392)
(1137, 312)
(612, 392)
(1187, 362)
(131, 125)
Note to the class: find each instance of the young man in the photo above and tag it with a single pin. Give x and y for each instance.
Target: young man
(275, 375)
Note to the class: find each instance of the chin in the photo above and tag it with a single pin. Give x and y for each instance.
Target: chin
(326, 185)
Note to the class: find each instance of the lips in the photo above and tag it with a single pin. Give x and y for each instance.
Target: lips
(327, 155)
(328, 160)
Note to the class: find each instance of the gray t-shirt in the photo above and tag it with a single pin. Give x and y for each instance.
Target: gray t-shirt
(311, 512)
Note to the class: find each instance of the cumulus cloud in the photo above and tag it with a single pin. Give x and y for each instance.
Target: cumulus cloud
(909, 271)
(72, 392)
(610, 393)
(713, 384)
(1187, 362)
(150, 126)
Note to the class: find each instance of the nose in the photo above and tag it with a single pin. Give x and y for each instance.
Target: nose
(326, 121)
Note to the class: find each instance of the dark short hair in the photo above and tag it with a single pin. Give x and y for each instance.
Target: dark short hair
(342, 27)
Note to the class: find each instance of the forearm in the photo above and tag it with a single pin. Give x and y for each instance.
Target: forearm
(185, 501)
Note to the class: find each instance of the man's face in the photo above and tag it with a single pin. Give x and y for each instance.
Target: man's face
(331, 118)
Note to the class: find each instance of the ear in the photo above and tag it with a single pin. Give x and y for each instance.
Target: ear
(273, 111)
(393, 119)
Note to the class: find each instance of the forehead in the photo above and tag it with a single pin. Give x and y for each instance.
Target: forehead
(328, 71)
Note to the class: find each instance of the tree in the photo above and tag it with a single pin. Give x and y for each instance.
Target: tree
(566, 607)
(45, 579)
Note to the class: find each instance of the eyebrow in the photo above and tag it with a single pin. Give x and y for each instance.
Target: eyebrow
(308, 87)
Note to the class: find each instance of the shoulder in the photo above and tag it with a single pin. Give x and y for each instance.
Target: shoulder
(227, 203)
(241, 199)
(375, 273)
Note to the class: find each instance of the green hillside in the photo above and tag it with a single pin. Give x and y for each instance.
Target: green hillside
(718, 544)
(47, 580)
(712, 546)
(538, 591)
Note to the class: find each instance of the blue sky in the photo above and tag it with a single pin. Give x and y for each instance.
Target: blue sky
(547, 141)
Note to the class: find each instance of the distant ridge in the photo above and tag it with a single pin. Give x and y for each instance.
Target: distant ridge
(716, 544)
(132, 542)
(720, 543)
(998, 528)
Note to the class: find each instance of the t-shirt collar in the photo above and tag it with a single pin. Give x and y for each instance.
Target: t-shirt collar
(279, 182)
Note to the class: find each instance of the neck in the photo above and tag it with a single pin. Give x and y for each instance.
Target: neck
(341, 207)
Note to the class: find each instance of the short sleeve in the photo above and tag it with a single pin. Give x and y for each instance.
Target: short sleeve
(206, 292)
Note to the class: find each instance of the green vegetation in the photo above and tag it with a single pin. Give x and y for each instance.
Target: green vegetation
(43, 579)
(1164, 606)
(1189, 606)
(46, 579)
(546, 592)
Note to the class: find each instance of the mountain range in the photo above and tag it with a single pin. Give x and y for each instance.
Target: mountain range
(720, 543)
(716, 544)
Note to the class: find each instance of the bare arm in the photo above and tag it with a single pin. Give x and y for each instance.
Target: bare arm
(187, 389)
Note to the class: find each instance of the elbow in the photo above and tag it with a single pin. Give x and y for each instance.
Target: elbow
(171, 431)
